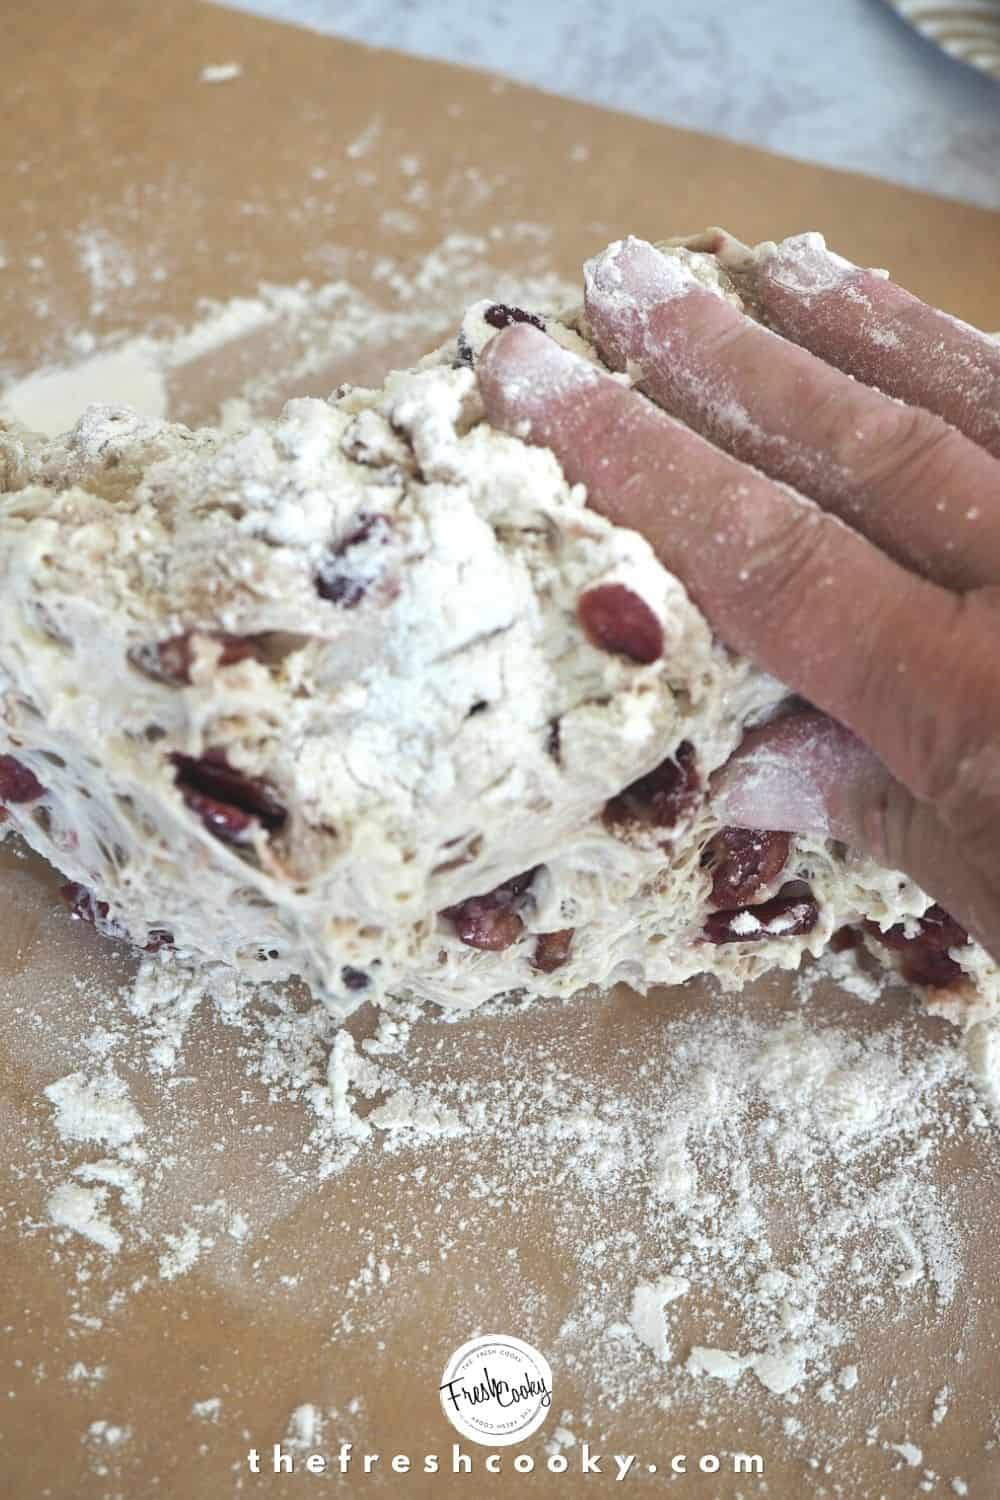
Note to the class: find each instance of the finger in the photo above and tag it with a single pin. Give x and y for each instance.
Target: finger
(915, 486)
(910, 667)
(791, 776)
(806, 774)
(881, 334)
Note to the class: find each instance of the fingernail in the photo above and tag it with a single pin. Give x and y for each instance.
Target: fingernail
(522, 370)
(630, 274)
(768, 790)
(791, 776)
(804, 265)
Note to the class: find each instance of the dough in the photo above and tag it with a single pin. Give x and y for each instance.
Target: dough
(367, 695)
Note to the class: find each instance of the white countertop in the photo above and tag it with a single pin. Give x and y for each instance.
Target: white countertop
(844, 82)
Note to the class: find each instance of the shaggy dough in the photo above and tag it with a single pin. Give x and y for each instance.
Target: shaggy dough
(295, 698)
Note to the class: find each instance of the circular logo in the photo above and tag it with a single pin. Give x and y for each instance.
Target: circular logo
(496, 1390)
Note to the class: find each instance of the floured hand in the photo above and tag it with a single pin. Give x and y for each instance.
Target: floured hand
(876, 597)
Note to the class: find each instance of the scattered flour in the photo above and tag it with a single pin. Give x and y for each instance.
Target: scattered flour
(305, 1428)
(647, 1316)
(909, 1453)
(722, 1112)
(108, 1432)
(51, 400)
(220, 72)
(81, 1210)
(79, 1373)
(94, 1109)
(207, 1410)
(306, 329)
(182, 1252)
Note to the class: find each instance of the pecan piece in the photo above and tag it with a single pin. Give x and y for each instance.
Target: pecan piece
(552, 949)
(171, 659)
(742, 861)
(18, 783)
(491, 921)
(228, 801)
(924, 958)
(785, 915)
(660, 798)
(615, 619)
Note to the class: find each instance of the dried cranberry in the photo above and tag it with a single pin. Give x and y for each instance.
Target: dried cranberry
(615, 619)
(794, 914)
(501, 315)
(660, 798)
(552, 950)
(742, 862)
(354, 979)
(81, 903)
(844, 939)
(227, 823)
(491, 922)
(84, 908)
(172, 658)
(158, 938)
(924, 958)
(18, 783)
(228, 801)
(335, 580)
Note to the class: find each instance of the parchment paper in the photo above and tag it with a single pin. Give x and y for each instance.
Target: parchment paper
(295, 169)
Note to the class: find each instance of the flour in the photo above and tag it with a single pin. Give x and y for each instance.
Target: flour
(909, 1453)
(647, 1315)
(853, 1123)
(181, 1254)
(81, 1210)
(110, 1433)
(102, 1441)
(208, 1410)
(96, 1109)
(51, 400)
(79, 1373)
(221, 72)
(307, 329)
(305, 1428)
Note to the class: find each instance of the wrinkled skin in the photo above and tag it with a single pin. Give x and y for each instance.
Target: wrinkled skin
(875, 598)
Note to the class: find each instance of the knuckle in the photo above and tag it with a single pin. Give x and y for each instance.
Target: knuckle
(954, 717)
(884, 815)
(722, 330)
(882, 441)
(969, 799)
(927, 692)
(782, 555)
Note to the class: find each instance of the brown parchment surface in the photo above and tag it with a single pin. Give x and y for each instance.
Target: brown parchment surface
(104, 122)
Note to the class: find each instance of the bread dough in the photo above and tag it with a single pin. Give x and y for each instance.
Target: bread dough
(321, 698)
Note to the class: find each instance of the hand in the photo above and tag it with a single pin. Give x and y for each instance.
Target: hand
(877, 598)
